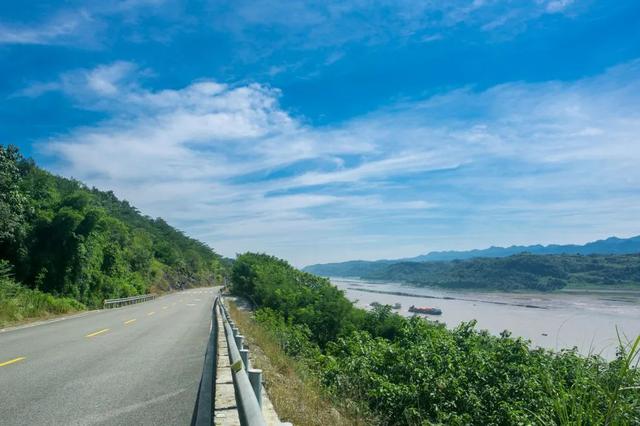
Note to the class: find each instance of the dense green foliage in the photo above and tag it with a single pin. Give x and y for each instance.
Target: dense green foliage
(66, 239)
(18, 303)
(316, 304)
(516, 272)
(410, 371)
(522, 271)
(351, 268)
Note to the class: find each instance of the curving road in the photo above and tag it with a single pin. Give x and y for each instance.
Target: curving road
(136, 365)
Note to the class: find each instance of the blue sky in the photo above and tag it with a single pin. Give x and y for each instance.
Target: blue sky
(334, 130)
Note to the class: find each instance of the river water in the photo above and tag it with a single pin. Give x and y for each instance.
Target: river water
(584, 319)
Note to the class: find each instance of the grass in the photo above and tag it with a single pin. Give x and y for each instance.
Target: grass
(19, 304)
(629, 361)
(296, 396)
(573, 406)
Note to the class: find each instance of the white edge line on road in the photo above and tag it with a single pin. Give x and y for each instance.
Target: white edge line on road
(51, 321)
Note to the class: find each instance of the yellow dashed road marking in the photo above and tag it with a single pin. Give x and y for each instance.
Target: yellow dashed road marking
(12, 361)
(151, 313)
(104, 330)
(129, 321)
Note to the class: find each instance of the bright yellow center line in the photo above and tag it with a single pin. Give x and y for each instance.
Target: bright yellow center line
(11, 361)
(130, 321)
(151, 313)
(104, 330)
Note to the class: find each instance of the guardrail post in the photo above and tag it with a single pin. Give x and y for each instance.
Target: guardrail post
(240, 341)
(244, 354)
(255, 377)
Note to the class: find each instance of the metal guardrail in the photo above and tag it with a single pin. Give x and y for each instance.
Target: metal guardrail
(247, 383)
(203, 415)
(114, 303)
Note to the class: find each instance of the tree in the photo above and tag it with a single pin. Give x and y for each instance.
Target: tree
(12, 201)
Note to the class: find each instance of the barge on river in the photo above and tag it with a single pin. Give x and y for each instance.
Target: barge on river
(425, 310)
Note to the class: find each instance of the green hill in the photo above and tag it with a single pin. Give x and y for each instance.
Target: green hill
(59, 237)
(517, 272)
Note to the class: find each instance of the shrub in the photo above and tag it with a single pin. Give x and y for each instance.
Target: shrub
(409, 371)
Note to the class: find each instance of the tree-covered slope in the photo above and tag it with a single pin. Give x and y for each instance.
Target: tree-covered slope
(352, 268)
(63, 238)
(522, 271)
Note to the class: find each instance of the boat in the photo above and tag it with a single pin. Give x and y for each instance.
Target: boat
(396, 306)
(425, 310)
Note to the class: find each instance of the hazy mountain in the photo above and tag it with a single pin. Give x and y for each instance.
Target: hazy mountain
(361, 268)
(612, 245)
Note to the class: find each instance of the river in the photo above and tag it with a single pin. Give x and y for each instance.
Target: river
(584, 319)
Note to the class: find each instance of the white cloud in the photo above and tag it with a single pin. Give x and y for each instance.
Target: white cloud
(516, 163)
(38, 89)
(105, 81)
(77, 23)
(57, 30)
(318, 24)
(556, 6)
(294, 25)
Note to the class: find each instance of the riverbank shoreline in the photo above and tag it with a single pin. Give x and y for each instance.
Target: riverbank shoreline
(399, 293)
(573, 289)
(557, 320)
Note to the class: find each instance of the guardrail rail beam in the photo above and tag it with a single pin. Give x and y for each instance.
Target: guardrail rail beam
(114, 303)
(248, 401)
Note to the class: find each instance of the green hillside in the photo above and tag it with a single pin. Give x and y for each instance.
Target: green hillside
(517, 272)
(61, 238)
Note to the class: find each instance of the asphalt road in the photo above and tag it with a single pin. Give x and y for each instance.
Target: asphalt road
(136, 365)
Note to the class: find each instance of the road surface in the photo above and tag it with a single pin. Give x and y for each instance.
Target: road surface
(136, 365)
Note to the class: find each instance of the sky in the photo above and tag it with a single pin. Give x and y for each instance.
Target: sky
(322, 131)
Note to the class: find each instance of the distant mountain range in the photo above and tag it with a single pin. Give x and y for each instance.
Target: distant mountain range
(363, 268)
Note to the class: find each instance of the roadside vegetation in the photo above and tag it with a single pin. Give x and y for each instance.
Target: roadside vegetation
(18, 304)
(65, 240)
(409, 371)
(296, 393)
